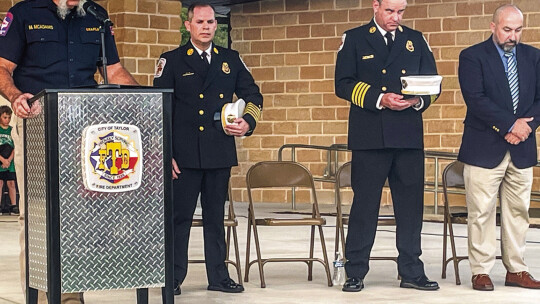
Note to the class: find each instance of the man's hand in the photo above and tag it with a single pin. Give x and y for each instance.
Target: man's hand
(175, 169)
(521, 128)
(512, 139)
(239, 129)
(21, 108)
(396, 102)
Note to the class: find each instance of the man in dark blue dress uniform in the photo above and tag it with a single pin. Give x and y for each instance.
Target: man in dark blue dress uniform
(386, 137)
(204, 78)
(50, 44)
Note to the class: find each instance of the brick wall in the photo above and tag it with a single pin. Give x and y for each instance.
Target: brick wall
(290, 46)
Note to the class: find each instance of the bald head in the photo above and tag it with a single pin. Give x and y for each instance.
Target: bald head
(504, 10)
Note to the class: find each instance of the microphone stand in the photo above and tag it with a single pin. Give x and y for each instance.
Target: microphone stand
(104, 25)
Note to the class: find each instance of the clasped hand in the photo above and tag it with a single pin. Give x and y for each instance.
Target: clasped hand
(396, 102)
(520, 132)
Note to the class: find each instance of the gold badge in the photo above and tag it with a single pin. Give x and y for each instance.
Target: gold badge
(225, 68)
(410, 46)
(400, 28)
(190, 52)
(216, 51)
(372, 30)
(368, 57)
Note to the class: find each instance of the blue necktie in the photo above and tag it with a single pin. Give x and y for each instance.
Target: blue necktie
(513, 80)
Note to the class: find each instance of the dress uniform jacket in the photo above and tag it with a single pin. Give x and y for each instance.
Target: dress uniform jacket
(365, 69)
(490, 112)
(198, 142)
(52, 53)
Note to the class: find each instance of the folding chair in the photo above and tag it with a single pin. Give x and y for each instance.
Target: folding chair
(453, 179)
(283, 174)
(230, 222)
(343, 180)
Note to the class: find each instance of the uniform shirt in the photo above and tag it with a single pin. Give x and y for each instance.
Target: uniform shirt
(201, 90)
(52, 53)
(365, 69)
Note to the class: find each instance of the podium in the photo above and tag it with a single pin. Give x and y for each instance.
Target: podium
(98, 192)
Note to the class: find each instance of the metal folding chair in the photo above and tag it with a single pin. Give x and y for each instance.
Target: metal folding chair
(283, 174)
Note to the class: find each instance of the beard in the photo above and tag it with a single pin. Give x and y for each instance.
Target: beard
(63, 10)
(509, 45)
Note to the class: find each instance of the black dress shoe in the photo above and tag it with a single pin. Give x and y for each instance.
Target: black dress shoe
(227, 285)
(353, 285)
(177, 290)
(420, 283)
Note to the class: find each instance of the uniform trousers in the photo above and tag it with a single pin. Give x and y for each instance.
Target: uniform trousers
(212, 184)
(18, 141)
(404, 169)
(482, 186)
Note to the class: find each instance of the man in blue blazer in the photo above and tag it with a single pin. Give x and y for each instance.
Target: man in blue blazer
(500, 83)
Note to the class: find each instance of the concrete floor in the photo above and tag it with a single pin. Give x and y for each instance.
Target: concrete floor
(287, 282)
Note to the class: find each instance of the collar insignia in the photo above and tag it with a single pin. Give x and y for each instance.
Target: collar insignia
(190, 52)
(372, 29)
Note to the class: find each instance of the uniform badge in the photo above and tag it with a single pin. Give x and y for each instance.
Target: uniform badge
(368, 57)
(225, 68)
(188, 74)
(409, 46)
(400, 28)
(372, 30)
(342, 42)
(190, 52)
(160, 67)
(6, 24)
(216, 51)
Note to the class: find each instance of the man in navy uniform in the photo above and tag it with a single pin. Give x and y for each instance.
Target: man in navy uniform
(50, 44)
(500, 82)
(386, 138)
(204, 78)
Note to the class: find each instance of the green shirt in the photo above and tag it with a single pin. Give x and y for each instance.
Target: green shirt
(5, 138)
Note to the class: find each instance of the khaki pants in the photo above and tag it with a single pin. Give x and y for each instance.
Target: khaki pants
(482, 186)
(18, 139)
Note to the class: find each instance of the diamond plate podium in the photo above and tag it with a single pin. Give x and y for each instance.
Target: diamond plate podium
(79, 238)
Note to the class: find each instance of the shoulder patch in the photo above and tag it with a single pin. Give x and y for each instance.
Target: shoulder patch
(429, 48)
(6, 24)
(160, 67)
(342, 41)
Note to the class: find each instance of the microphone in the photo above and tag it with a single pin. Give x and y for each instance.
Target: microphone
(90, 8)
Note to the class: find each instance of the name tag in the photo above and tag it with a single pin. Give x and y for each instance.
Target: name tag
(188, 74)
(368, 57)
(40, 27)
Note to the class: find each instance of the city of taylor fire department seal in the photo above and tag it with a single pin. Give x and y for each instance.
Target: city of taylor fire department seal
(112, 157)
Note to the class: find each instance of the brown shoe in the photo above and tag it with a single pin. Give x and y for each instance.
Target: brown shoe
(482, 282)
(521, 279)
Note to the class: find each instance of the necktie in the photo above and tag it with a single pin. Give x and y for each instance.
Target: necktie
(513, 80)
(389, 40)
(204, 56)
